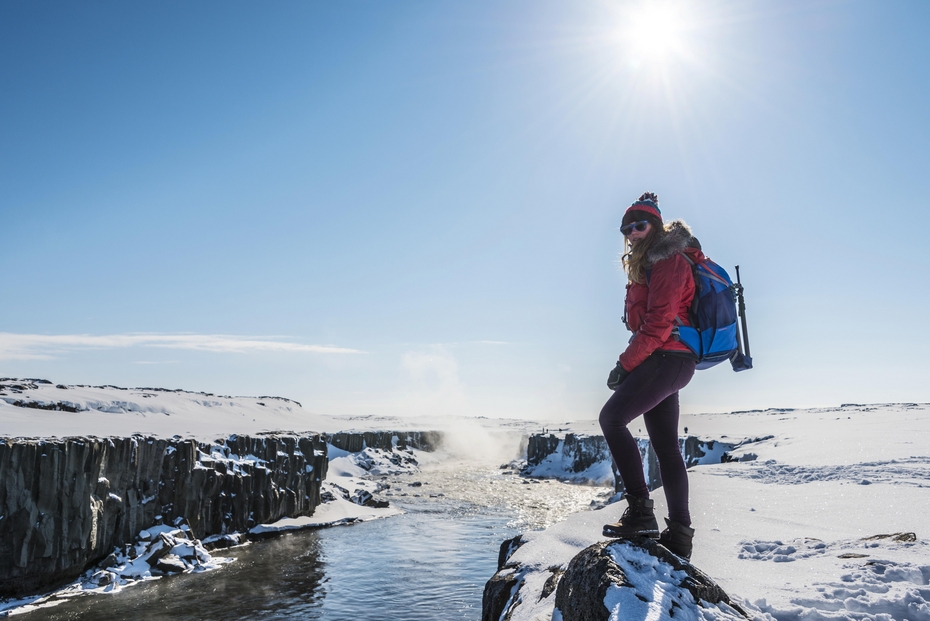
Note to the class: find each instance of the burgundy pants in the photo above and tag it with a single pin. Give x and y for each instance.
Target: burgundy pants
(651, 391)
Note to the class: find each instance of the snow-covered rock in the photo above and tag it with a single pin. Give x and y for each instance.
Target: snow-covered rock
(583, 458)
(569, 572)
(157, 551)
(638, 580)
(355, 441)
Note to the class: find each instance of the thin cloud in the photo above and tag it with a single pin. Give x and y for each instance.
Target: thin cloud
(45, 346)
(458, 343)
(156, 361)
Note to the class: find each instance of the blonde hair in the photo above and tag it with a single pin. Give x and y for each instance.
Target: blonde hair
(634, 258)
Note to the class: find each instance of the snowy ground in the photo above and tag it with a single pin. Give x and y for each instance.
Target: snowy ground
(802, 532)
(795, 531)
(40, 408)
(112, 411)
(794, 534)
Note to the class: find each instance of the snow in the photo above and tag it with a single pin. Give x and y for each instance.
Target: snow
(156, 551)
(806, 532)
(559, 466)
(347, 488)
(814, 527)
(113, 411)
(653, 587)
(333, 513)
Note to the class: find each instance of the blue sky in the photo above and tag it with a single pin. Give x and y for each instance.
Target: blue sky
(412, 207)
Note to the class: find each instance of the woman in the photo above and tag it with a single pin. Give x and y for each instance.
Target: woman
(651, 371)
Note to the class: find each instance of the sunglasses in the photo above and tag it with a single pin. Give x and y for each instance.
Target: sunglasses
(634, 226)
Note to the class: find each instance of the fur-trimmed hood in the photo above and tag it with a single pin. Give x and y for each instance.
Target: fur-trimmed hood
(677, 238)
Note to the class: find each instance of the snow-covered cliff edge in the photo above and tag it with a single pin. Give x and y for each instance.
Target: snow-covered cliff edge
(85, 469)
(65, 504)
(586, 458)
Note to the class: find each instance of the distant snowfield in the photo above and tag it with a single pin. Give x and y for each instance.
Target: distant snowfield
(113, 411)
(796, 534)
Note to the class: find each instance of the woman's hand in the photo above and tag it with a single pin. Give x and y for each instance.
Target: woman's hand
(616, 377)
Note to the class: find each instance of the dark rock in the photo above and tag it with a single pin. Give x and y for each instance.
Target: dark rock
(159, 548)
(584, 585)
(58, 406)
(552, 581)
(67, 503)
(500, 592)
(355, 442)
(500, 595)
(170, 564)
(507, 549)
(362, 497)
(222, 542)
(583, 451)
(903, 537)
(103, 578)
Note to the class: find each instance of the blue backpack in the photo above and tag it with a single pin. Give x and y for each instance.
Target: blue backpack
(714, 335)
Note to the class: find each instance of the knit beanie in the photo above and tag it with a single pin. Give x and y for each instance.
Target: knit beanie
(648, 203)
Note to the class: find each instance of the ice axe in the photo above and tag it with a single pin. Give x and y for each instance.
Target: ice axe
(741, 361)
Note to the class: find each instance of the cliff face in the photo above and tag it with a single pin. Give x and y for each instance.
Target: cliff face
(580, 453)
(385, 440)
(66, 503)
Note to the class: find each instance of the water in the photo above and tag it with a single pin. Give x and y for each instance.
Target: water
(429, 564)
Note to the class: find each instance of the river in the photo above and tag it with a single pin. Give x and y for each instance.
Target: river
(428, 564)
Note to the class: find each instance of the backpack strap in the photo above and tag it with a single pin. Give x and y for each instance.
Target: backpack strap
(710, 273)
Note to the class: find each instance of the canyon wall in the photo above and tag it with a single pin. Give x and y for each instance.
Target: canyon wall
(65, 504)
(548, 455)
(355, 441)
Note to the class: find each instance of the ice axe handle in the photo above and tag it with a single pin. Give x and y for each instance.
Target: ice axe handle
(742, 311)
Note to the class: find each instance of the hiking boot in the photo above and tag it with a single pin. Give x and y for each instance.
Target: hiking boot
(638, 520)
(677, 538)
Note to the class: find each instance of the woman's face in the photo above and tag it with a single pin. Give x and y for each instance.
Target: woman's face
(636, 235)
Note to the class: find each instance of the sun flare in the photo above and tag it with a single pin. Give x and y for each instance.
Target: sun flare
(654, 31)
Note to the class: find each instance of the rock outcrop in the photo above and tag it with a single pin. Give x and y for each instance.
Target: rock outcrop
(611, 579)
(65, 504)
(498, 599)
(635, 580)
(577, 453)
(356, 441)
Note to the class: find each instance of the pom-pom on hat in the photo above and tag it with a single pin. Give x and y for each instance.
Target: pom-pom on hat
(648, 203)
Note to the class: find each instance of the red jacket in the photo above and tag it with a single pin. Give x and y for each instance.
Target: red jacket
(652, 307)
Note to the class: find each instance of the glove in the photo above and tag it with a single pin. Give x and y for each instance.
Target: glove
(616, 376)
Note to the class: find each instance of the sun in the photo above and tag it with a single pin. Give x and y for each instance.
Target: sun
(654, 31)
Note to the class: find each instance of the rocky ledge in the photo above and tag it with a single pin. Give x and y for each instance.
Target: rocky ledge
(65, 504)
(357, 441)
(586, 458)
(637, 579)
